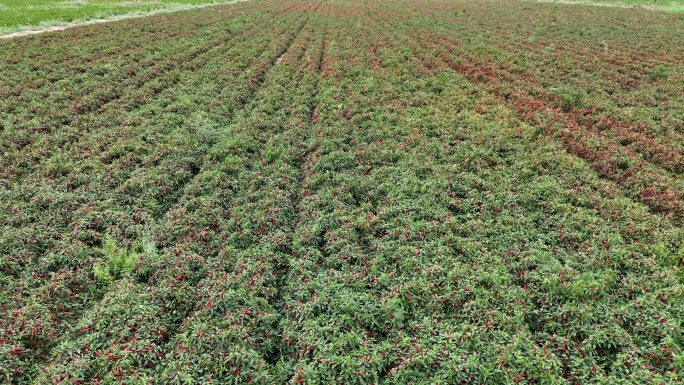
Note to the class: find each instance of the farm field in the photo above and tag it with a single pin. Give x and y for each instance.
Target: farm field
(385, 192)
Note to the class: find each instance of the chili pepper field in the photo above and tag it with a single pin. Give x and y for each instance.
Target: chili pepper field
(345, 192)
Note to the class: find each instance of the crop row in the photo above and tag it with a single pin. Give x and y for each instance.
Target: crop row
(463, 240)
(548, 90)
(153, 150)
(212, 288)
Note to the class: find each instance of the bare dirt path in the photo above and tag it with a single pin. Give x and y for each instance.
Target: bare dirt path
(599, 4)
(57, 28)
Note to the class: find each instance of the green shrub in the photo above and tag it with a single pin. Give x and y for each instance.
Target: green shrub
(658, 73)
(120, 261)
(272, 153)
(570, 97)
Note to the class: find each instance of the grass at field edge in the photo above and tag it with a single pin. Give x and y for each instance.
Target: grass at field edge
(8, 32)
